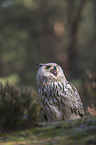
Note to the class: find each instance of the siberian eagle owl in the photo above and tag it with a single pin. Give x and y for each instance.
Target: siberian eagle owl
(58, 98)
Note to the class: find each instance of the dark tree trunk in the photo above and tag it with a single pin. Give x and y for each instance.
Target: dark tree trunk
(72, 50)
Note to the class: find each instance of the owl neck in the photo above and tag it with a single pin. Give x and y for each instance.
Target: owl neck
(48, 82)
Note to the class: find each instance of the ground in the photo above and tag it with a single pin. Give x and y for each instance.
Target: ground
(76, 132)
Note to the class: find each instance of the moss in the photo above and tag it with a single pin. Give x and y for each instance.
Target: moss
(80, 131)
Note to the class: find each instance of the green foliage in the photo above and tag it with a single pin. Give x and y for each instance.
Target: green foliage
(13, 78)
(18, 107)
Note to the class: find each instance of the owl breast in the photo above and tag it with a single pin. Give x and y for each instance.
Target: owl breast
(60, 102)
(51, 101)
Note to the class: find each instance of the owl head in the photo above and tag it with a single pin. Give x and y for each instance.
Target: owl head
(50, 72)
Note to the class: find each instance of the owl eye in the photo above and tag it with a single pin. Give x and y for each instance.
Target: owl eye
(48, 66)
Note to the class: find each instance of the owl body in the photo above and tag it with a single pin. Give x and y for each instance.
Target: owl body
(58, 98)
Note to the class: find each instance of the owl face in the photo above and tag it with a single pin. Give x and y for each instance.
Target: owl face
(50, 72)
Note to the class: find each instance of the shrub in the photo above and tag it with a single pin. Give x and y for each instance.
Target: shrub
(89, 91)
(91, 110)
(18, 107)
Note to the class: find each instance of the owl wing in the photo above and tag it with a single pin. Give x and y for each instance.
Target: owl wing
(76, 104)
(71, 98)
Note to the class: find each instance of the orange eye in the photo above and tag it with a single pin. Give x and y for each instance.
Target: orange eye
(48, 66)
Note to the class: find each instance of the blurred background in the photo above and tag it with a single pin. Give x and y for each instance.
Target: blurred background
(35, 31)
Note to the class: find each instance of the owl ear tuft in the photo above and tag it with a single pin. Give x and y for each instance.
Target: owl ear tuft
(39, 64)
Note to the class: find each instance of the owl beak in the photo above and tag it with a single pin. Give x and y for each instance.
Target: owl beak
(54, 72)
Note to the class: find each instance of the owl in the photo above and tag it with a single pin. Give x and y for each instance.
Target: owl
(58, 98)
